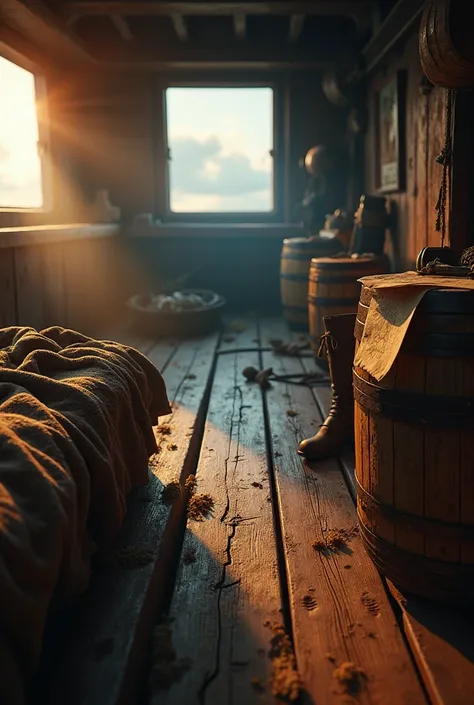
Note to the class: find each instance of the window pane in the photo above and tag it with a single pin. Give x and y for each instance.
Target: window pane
(20, 165)
(220, 141)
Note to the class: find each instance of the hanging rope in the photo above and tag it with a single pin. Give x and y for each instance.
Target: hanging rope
(444, 158)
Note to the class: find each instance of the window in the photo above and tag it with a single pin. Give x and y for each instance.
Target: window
(21, 183)
(220, 143)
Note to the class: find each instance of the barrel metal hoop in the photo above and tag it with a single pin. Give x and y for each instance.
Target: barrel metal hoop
(297, 309)
(359, 267)
(431, 344)
(358, 330)
(424, 525)
(432, 410)
(440, 580)
(295, 278)
(298, 257)
(439, 344)
(365, 295)
(324, 301)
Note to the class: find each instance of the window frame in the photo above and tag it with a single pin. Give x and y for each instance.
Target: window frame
(44, 142)
(224, 217)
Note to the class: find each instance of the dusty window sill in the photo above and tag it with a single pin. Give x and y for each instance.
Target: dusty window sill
(38, 235)
(215, 230)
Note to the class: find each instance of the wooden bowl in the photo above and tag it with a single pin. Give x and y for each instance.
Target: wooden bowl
(177, 324)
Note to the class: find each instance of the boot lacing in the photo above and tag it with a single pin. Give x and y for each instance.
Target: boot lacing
(326, 343)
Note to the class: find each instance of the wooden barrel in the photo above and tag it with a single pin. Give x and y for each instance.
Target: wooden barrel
(414, 447)
(296, 257)
(334, 289)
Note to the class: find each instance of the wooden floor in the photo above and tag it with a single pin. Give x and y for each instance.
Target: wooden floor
(218, 582)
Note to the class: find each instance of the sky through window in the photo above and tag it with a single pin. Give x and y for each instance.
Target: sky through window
(220, 141)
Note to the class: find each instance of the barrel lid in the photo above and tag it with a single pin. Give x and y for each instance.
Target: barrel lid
(346, 262)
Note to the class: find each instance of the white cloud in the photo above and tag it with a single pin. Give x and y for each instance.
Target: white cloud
(223, 182)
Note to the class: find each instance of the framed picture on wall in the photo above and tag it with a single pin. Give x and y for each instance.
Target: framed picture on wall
(390, 133)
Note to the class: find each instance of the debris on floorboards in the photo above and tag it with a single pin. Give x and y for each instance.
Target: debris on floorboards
(244, 578)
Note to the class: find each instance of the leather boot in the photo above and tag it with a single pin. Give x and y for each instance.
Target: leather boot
(338, 428)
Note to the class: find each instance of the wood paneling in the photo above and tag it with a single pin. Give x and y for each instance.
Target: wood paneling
(111, 128)
(414, 207)
(117, 128)
(115, 122)
(8, 314)
(81, 284)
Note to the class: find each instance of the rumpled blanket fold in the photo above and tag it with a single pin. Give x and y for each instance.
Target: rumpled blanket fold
(76, 418)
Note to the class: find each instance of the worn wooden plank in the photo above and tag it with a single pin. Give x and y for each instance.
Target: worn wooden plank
(439, 636)
(54, 285)
(340, 614)
(435, 134)
(441, 640)
(421, 175)
(462, 186)
(400, 21)
(93, 284)
(106, 658)
(224, 595)
(240, 333)
(77, 280)
(74, 9)
(8, 312)
(407, 245)
(29, 286)
(26, 236)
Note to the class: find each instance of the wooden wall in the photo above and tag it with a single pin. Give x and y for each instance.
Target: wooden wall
(72, 277)
(116, 120)
(55, 267)
(116, 127)
(414, 206)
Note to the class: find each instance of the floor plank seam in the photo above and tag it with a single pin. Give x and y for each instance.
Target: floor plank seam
(173, 537)
(397, 612)
(232, 523)
(281, 554)
(169, 359)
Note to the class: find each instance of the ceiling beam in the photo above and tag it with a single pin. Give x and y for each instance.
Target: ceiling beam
(296, 27)
(240, 25)
(403, 19)
(39, 25)
(17, 49)
(357, 9)
(262, 54)
(166, 66)
(180, 27)
(122, 27)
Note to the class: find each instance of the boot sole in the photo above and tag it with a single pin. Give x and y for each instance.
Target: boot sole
(315, 457)
(326, 455)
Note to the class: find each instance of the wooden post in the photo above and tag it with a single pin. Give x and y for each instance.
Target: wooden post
(461, 219)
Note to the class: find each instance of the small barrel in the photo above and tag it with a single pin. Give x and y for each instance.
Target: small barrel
(414, 448)
(296, 257)
(334, 289)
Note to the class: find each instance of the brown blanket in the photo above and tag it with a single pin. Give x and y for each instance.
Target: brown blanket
(76, 434)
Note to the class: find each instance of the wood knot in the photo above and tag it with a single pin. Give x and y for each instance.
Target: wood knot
(371, 604)
(309, 602)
